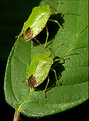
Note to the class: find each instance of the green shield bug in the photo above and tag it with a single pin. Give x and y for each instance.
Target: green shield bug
(37, 21)
(39, 69)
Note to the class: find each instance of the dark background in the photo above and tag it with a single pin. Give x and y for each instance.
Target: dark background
(12, 16)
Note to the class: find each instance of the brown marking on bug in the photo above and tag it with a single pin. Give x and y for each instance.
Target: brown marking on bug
(32, 81)
(28, 34)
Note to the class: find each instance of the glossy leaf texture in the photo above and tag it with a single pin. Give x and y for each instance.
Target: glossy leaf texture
(73, 73)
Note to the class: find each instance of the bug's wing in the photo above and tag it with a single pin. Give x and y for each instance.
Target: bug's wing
(42, 15)
(43, 64)
(42, 71)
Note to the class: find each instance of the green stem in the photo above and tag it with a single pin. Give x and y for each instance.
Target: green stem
(16, 115)
(17, 112)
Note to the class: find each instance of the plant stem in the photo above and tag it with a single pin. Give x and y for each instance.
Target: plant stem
(16, 115)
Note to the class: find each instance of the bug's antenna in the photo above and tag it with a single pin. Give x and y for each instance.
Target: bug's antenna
(18, 36)
(40, 44)
(55, 4)
(44, 2)
(56, 48)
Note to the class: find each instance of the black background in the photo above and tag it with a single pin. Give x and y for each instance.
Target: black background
(12, 16)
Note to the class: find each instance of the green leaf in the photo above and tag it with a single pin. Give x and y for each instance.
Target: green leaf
(74, 72)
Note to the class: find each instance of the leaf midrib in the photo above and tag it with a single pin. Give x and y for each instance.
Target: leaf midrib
(32, 91)
(73, 43)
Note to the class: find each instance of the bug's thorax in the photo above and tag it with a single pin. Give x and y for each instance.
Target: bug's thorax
(47, 8)
(49, 54)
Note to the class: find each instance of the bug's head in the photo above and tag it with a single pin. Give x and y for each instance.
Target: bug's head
(48, 53)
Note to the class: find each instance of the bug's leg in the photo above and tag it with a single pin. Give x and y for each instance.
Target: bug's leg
(18, 36)
(46, 36)
(40, 44)
(46, 87)
(61, 59)
(52, 20)
(59, 13)
(56, 76)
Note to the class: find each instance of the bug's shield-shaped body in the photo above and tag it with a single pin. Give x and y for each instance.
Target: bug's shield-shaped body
(36, 22)
(38, 70)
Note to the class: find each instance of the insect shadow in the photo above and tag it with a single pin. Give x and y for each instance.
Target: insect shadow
(52, 29)
(59, 68)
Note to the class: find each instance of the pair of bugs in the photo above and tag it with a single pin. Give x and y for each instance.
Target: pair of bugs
(41, 64)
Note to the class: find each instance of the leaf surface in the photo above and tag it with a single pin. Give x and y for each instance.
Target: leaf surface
(74, 72)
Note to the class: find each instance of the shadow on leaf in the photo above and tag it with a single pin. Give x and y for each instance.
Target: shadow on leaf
(52, 29)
